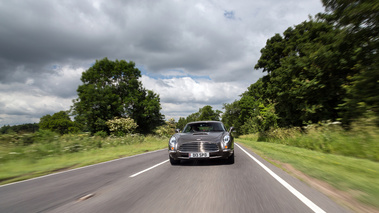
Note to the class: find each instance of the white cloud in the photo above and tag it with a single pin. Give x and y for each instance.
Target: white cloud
(23, 107)
(184, 95)
(46, 94)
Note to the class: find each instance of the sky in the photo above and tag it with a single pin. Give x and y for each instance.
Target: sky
(192, 53)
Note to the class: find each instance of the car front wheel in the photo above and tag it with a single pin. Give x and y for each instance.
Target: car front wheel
(230, 160)
(174, 162)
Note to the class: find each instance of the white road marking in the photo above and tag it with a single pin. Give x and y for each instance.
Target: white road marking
(138, 173)
(86, 197)
(53, 174)
(300, 196)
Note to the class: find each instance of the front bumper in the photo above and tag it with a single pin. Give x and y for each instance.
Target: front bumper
(182, 155)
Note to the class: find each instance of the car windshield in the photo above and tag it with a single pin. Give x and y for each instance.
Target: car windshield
(204, 127)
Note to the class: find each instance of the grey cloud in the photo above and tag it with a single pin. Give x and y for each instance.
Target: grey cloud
(199, 38)
(159, 36)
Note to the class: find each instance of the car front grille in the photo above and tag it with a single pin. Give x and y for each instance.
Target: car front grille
(199, 147)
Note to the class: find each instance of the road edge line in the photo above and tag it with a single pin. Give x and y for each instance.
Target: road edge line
(71, 170)
(290, 188)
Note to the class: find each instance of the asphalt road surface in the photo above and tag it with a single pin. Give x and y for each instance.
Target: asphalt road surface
(148, 183)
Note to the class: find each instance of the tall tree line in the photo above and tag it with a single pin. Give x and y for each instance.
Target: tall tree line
(322, 69)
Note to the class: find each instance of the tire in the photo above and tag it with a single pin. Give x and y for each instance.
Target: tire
(174, 162)
(230, 160)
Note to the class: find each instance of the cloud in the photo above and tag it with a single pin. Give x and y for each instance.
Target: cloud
(185, 95)
(204, 45)
(46, 94)
(229, 14)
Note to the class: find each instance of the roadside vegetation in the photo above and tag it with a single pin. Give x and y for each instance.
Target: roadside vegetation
(347, 160)
(361, 141)
(24, 156)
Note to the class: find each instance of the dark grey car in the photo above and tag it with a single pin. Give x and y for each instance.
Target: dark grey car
(202, 140)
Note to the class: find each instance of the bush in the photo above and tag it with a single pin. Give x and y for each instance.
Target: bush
(46, 136)
(166, 130)
(59, 122)
(101, 134)
(45, 143)
(121, 126)
(361, 141)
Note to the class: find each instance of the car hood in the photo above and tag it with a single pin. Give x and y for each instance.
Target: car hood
(200, 136)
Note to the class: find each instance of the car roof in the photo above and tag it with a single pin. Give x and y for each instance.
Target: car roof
(196, 122)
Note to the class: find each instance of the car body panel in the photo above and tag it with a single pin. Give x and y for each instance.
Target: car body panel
(207, 138)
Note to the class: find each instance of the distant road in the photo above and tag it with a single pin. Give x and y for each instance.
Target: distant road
(148, 183)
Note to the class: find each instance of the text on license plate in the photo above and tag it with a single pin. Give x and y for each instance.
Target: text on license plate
(199, 155)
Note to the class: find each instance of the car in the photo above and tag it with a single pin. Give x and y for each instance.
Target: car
(202, 140)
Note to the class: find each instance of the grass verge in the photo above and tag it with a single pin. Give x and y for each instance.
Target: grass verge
(22, 169)
(357, 177)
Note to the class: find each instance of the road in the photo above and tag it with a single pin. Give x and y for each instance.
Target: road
(148, 183)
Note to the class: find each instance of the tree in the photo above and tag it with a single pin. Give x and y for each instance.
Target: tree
(362, 94)
(231, 116)
(306, 71)
(59, 122)
(22, 128)
(111, 89)
(208, 114)
(262, 119)
(360, 19)
(146, 111)
(181, 123)
(252, 113)
(204, 114)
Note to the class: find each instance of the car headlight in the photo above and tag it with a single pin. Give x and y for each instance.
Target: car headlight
(172, 143)
(226, 141)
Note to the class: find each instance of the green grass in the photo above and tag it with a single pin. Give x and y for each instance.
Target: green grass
(361, 141)
(358, 177)
(24, 165)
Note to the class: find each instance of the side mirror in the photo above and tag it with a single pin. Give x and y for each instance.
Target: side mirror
(231, 129)
(177, 130)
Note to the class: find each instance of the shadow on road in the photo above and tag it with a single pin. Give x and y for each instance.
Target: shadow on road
(213, 162)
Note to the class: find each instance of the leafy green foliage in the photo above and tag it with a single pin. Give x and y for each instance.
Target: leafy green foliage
(359, 142)
(59, 122)
(360, 19)
(231, 116)
(166, 130)
(359, 16)
(181, 123)
(306, 72)
(111, 89)
(263, 119)
(101, 134)
(252, 113)
(208, 114)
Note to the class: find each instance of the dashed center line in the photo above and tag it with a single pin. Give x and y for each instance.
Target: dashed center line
(138, 173)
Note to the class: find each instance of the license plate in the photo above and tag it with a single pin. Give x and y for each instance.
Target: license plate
(199, 155)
